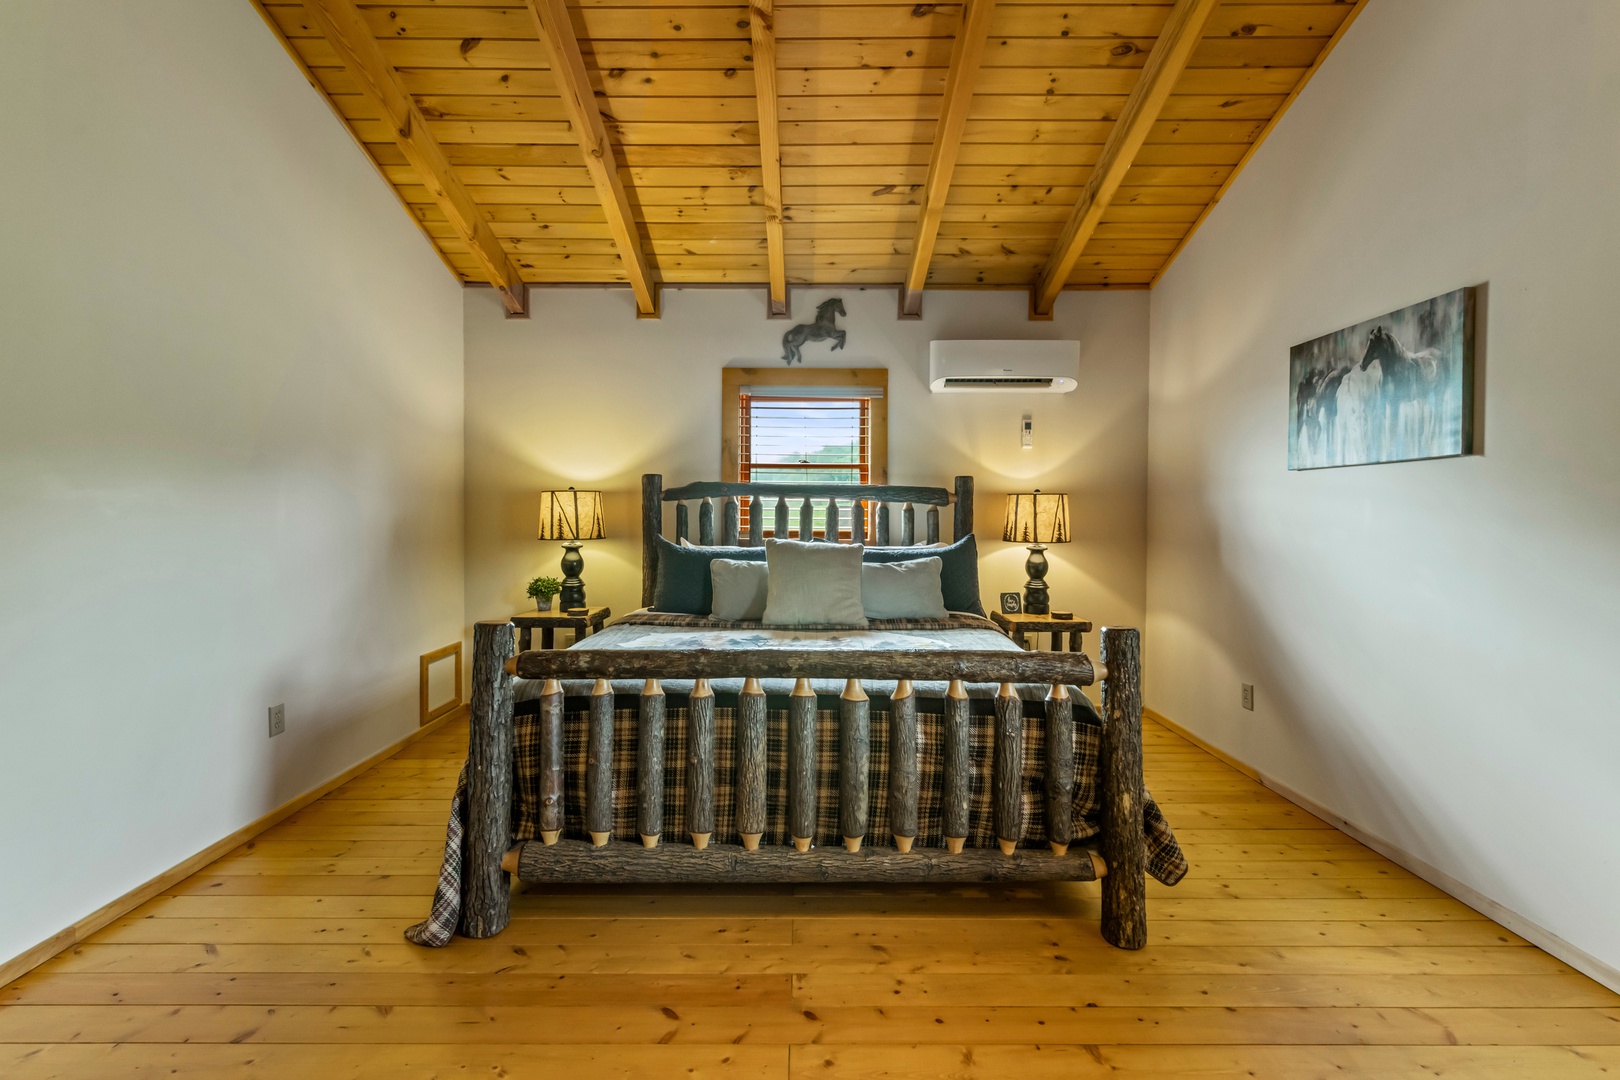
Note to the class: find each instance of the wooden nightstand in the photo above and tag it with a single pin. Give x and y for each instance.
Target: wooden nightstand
(548, 621)
(1016, 626)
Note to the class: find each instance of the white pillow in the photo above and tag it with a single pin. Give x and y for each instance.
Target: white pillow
(739, 589)
(813, 583)
(903, 590)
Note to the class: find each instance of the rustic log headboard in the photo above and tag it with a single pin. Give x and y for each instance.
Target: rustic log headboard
(840, 503)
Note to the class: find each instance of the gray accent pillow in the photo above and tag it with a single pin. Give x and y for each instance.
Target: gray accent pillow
(813, 583)
(739, 589)
(899, 590)
(959, 578)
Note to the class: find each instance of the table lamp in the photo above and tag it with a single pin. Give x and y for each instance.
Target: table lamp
(571, 516)
(1036, 518)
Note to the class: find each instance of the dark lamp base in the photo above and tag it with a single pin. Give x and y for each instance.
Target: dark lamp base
(1037, 597)
(573, 588)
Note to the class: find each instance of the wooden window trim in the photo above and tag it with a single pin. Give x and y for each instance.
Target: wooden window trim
(732, 381)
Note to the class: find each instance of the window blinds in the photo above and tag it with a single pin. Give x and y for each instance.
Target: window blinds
(804, 439)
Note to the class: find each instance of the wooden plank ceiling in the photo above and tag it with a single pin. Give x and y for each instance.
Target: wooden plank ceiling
(860, 92)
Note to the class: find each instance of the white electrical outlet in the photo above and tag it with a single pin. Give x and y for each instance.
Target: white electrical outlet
(278, 720)
(1248, 696)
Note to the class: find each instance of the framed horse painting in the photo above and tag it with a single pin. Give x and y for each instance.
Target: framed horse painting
(1395, 388)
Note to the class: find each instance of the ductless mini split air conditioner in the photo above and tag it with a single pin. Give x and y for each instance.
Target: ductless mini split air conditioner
(1003, 367)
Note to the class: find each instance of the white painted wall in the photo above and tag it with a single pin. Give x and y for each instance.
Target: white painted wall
(586, 394)
(230, 445)
(1433, 643)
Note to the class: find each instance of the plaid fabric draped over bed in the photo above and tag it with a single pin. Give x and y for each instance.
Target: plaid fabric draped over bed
(1165, 859)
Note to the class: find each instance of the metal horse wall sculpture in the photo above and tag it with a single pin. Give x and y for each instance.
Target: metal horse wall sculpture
(820, 330)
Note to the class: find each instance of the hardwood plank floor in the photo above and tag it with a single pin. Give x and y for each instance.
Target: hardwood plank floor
(1291, 951)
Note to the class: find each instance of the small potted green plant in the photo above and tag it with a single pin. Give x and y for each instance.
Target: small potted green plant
(543, 589)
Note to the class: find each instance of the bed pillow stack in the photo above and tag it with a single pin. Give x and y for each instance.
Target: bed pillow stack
(817, 583)
(959, 572)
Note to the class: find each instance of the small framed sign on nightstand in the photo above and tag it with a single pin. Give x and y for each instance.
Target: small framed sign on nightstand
(1012, 603)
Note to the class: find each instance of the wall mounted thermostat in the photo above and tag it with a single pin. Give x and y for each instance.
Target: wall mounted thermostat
(1026, 432)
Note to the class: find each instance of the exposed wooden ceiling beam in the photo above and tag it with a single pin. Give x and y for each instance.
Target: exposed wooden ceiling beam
(347, 32)
(760, 27)
(1165, 64)
(315, 82)
(966, 52)
(579, 103)
(1259, 140)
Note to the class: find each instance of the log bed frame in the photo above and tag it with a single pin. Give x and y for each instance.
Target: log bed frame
(490, 856)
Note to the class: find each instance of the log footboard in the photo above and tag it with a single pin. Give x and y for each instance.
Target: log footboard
(490, 855)
(576, 862)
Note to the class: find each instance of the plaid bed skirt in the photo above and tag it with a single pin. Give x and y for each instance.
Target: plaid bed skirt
(1165, 860)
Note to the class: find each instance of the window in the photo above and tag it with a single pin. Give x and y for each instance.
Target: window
(808, 427)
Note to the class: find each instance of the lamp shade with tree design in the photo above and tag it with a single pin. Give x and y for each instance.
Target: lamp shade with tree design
(571, 515)
(1035, 519)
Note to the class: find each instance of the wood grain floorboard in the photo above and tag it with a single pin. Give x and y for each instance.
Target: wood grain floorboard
(1290, 952)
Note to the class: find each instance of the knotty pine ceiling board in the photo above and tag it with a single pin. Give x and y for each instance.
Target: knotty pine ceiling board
(860, 88)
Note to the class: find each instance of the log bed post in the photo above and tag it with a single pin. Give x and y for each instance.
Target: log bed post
(880, 524)
(650, 765)
(908, 525)
(1124, 844)
(756, 520)
(751, 763)
(487, 890)
(801, 765)
(728, 521)
(958, 766)
(551, 761)
(682, 523)
(904, 766)
(1007, 769)
(652, 527)
(706, 521)
(700, 764)
(963, 522)
(599, 765)
(807, 520)
(854, 762)
(1059, 769)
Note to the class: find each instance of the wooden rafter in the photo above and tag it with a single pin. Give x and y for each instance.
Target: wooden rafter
(860, 105)
(315, 82)
(579, 104)
(350, 37)
(966, 52)
(1265, 132)
(1165, 64)
(763, 32)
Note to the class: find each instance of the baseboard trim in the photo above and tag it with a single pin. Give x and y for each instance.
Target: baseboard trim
(29, 959)
(1159, 718)
(1533, 932)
